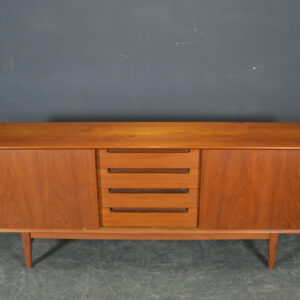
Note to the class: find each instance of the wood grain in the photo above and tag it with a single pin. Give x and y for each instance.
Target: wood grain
(149, 160)
(150, 234)
(250, 189)
(150, 135)
(273, 242)
(164, 231)
(151, 219)
(162, 199)
(54, 189)
(155, 170)
(250, 181)
(148, 180)
(27, 247)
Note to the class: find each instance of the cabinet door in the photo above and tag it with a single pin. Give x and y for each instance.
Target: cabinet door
(250, 189)
(48, 189)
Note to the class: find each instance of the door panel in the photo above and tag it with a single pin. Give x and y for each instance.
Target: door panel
(250, 189)
(48, 189)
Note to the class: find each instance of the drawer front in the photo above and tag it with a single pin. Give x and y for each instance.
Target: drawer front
(137, 217)
(148, 179)
(141, 159)
(149, 197)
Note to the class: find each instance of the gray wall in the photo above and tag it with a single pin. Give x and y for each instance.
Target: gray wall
(99, 60)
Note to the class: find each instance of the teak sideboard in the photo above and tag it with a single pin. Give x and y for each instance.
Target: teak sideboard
(154, 180)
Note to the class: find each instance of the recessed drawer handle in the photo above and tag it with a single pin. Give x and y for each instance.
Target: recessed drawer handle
(147, 191)
(148, 151)
(149, 170)
(148, 210)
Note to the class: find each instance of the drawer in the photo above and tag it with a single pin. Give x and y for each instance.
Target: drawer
(148, 159)
(149, 217)
(147, 179)
(141, 197)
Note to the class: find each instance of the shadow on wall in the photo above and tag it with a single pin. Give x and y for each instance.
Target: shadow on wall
(161, 118)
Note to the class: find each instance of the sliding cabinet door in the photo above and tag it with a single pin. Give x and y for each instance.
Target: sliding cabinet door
(250, 189)
(48, 189)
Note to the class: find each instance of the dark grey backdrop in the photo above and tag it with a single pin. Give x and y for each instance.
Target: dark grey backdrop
(89, 60)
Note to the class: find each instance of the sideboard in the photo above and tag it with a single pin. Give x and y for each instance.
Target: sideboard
(150, 181)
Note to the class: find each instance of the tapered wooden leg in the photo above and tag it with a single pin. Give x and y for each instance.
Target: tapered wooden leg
(273, 241)
(27, 246)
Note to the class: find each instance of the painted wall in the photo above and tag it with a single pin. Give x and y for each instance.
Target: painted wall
(100, 60)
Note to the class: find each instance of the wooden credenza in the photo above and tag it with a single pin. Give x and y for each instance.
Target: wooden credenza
(167, 181)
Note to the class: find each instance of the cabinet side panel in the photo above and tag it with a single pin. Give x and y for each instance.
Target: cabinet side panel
(48, 189)
(250, 189)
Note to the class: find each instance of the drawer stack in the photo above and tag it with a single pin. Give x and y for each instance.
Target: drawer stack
(148, 188)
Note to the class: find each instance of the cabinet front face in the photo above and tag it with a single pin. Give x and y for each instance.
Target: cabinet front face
(48, 189)
(250, 189)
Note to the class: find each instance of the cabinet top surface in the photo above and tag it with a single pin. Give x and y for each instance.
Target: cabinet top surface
(148, 135)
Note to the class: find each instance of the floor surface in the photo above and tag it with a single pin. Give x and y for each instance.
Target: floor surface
(206, 270)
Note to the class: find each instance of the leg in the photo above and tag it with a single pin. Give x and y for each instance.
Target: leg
(273, 241)
(26, 240)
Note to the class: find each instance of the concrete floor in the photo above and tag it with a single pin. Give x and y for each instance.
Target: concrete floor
(74, 269)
